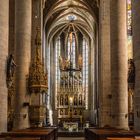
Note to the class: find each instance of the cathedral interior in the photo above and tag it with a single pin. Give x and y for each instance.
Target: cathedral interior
(71, 66)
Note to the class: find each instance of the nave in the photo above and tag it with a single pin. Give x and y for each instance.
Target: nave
(52, 134)
(69, 66)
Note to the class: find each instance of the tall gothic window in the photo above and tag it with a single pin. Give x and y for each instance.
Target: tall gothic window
(85, 69)
(71, 54)
(71, 48)
(57, 70)
(129, 18)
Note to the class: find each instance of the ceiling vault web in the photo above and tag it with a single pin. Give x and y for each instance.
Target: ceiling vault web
(58, 12)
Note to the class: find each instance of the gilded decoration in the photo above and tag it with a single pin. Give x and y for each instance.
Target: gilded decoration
(37, 77)
(38, 86)
(71, 97)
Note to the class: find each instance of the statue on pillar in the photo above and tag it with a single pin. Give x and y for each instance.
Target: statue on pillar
(131, 71)
(11, 65)
(131, 82)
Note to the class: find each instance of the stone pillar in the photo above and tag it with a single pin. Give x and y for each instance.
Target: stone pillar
(136, 44)
(53, 97)
(104, 65)
(23, 54)
(92, 84)
(119, 66)
(4, 17)
(12, 27)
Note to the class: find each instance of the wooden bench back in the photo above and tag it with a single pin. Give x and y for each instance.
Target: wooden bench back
(136, 138)
(120, 138)
(30, 134)
(19, 138)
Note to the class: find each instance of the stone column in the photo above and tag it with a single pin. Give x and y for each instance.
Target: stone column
(136, 44)
(104, 65)
(23, 53)
(4, 26)
(119, 66)
(12, 27)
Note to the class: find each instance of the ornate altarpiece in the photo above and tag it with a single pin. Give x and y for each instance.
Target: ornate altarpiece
(71, 97)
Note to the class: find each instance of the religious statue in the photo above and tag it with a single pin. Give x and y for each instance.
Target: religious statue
(67, 63)
(62, 80)
(75, 112)
(61, 99)
(80, 99)
(131, 71)
(61, 65)
(75, 100)
(66, 112)
(80, 61)
(11, 65)
(61, 112)
(75, 79)
(66, 99)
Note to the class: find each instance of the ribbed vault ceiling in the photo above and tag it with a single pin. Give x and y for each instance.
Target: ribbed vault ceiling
(56, 14)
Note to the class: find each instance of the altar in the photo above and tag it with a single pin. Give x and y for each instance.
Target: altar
(70, 126)
(71, 97)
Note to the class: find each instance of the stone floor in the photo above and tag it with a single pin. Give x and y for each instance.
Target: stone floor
(70, 138)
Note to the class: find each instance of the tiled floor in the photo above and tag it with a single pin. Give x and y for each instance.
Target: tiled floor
(70, 138)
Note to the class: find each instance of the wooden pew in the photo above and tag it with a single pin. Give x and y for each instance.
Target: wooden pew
(136, 138)
(12, 138)
(121, 138)
(103, 134)
(42, 133)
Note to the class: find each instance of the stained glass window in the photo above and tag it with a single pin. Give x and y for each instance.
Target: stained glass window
(129, 18)
(129, 29)
(71, 54)
(71, 49)
(85, 69)
(57, 54)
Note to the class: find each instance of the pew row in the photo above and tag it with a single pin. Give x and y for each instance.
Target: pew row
(41, 133)
(121, 138)
(103, 134)
(19, 138)
(136, 138)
